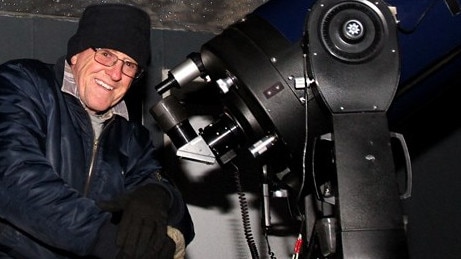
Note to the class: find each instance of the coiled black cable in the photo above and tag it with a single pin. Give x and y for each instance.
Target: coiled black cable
(245, 215)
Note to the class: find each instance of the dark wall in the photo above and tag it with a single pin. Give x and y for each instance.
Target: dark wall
(28, 37)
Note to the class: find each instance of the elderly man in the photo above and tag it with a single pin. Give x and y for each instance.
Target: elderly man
(77, 177)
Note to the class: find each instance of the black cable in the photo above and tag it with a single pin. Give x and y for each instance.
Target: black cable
(245, 215)
(269, 250)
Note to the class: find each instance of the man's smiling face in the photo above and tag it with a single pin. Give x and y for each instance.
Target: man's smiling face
(99, 87)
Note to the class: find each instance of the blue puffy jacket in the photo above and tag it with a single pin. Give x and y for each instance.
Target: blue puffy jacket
(52, 172)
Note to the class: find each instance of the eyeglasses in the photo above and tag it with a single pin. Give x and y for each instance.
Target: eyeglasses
(107, 58)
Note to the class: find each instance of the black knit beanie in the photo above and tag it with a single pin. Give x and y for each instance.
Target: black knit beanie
(121, 27)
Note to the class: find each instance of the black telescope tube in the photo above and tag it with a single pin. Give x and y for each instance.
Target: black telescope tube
(172, 119)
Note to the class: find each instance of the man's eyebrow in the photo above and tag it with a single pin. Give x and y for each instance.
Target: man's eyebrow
(116, 52)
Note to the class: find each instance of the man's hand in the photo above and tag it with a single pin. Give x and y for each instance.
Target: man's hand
(142, 231)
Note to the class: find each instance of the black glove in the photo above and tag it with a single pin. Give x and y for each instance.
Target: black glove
(143, 225)
(166, 251)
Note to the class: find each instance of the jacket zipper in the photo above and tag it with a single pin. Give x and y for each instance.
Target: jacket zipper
(90, 171)
(93, 158)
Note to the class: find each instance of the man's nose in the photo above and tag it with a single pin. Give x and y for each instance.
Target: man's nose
(115, 71)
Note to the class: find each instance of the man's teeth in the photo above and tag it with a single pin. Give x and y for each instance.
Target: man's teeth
(106, 86)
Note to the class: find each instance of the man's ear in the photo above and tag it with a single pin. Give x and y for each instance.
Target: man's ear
(73, 60)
